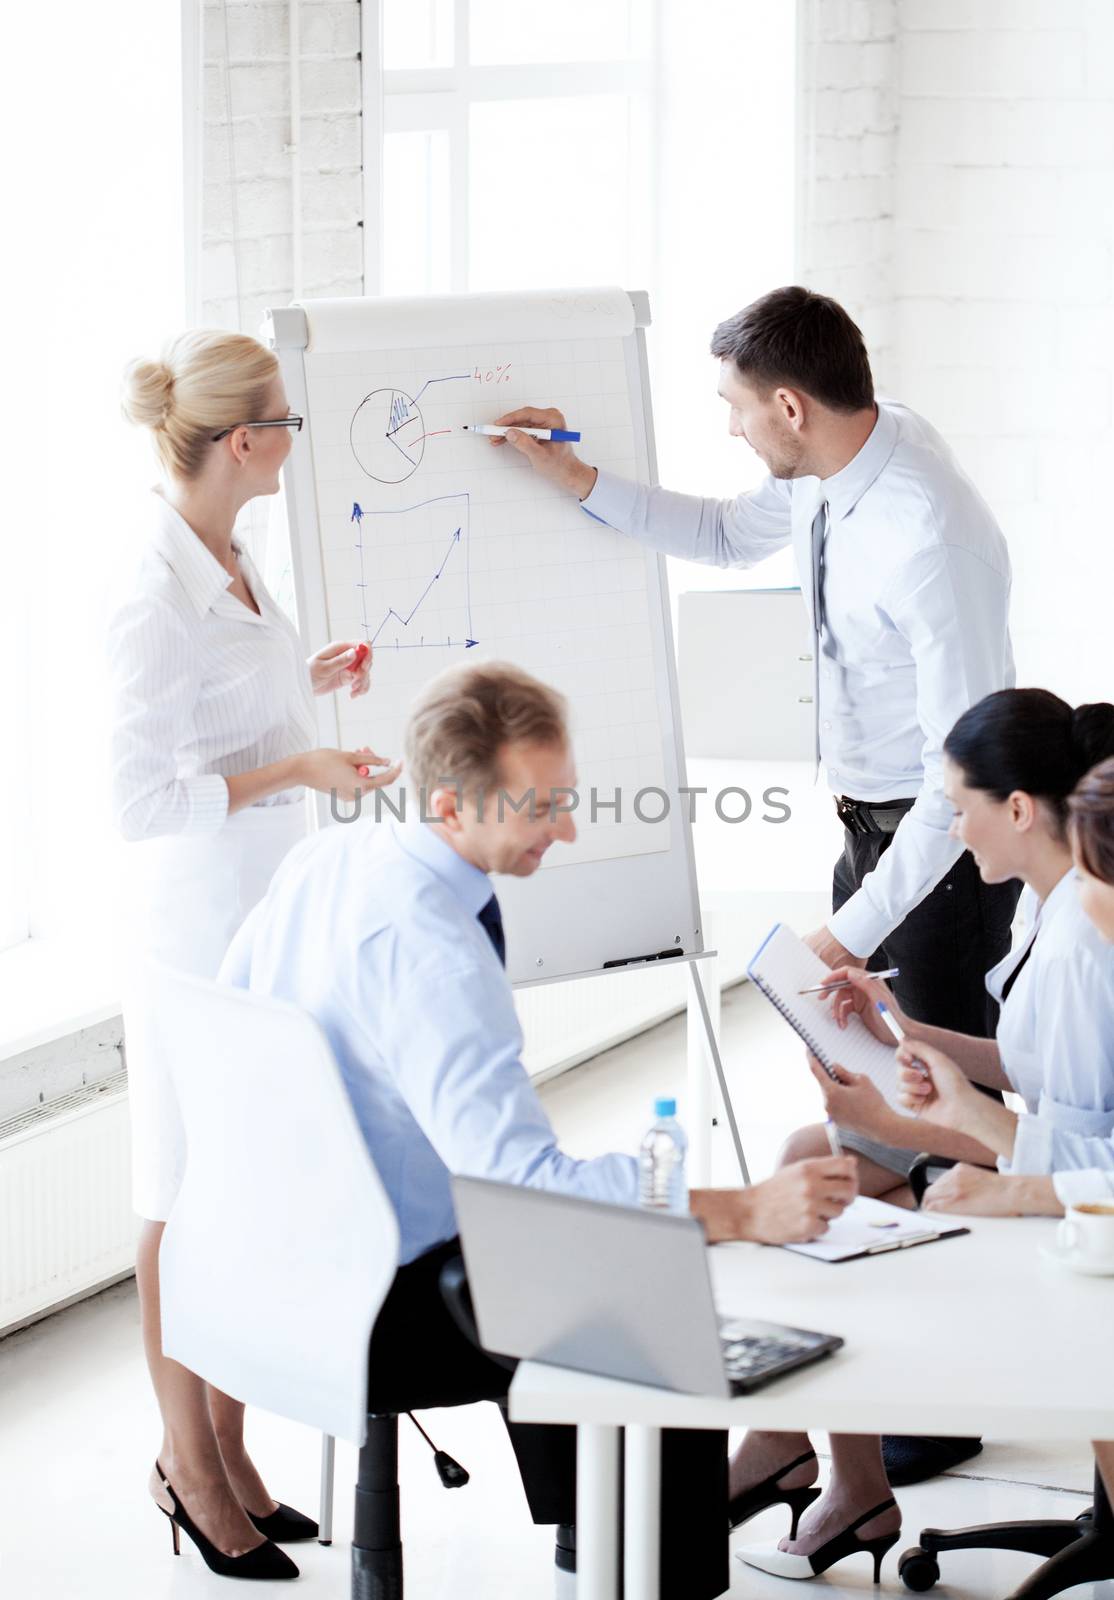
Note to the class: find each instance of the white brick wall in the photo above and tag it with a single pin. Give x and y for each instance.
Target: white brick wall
(848, 58)
(1004, 285)
(959, 200)
(248, 225)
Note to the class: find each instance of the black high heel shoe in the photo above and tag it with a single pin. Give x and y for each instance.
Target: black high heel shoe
(785, 1564)
(266, 1561)
(741, 1507)
(285, 1525)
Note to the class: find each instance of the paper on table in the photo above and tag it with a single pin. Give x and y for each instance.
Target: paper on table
(782, 966)
(869, 1227)
(359, 323)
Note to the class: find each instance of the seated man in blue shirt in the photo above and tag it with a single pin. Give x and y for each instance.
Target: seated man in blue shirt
(391, 937)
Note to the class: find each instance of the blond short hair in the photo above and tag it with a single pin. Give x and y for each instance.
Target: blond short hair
(203, 382)
(462, 720)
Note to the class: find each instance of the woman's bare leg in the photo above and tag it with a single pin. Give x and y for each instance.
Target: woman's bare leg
(1104, 1456)
(228, 1423)
(877, 1182)
(762, 1453)
(190, 1456)
(857, 1483)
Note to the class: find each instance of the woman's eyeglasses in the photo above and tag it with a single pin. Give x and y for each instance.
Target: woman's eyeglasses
(275, 422)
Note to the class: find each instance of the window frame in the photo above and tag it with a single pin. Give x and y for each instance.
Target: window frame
(438, 99)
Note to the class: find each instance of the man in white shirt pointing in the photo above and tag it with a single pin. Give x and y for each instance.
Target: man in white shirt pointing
(906, 579)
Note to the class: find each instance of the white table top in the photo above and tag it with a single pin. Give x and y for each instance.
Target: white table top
(970, 1335)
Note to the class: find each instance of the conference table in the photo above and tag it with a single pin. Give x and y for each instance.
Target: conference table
(982, 1333)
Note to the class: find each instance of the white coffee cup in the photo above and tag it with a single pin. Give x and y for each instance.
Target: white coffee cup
(1085, 1238)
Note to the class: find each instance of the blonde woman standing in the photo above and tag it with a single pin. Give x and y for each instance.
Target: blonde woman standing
(213, 735)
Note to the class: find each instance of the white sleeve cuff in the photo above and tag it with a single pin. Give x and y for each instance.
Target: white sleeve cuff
(1083, 1188)
(207, 799)
(1032, 1147)
(858, 926)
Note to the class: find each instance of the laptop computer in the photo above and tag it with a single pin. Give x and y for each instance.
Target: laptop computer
(613, 1290)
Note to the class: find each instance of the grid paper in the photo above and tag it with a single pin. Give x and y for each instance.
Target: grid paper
(439, 548)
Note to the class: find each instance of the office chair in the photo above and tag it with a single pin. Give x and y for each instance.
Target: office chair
(270, 1289)
(1079, 1550)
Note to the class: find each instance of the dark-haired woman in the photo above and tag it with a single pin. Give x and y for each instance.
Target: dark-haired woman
(1011, 764)
(1081, 1165)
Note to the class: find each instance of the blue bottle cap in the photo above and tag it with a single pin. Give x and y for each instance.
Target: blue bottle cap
(665, 1108)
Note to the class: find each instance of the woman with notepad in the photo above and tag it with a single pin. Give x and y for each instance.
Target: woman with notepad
(1080, 1165)
(1011, 764)
(212, 751)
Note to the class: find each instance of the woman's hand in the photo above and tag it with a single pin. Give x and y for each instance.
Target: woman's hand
(326, 770)
(929, 1082)
(854, 1102)
(338, 664)
(861, 998)
(977, 1192)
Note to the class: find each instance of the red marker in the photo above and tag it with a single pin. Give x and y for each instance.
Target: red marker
(362, 653)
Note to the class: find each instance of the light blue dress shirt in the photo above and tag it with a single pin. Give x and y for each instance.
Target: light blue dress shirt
(372, 929)
(916, 596)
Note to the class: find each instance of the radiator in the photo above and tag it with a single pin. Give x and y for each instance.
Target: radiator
(66, 1222)
(566, 1023)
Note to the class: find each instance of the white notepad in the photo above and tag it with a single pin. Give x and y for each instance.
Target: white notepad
(872, 1228)
(781, 967)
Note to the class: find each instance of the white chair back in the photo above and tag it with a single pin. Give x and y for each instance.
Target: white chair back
(282, 1243)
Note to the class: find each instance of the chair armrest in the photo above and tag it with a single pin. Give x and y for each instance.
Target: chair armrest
(919, 1179)
(453, 1283)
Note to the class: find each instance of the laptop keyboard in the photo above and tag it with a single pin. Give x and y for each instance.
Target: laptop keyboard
(752, 1357)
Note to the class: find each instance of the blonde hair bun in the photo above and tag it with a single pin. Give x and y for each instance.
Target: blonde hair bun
(205, 380)
(147, 399)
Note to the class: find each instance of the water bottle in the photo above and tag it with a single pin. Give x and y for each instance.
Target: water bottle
(661, 1162)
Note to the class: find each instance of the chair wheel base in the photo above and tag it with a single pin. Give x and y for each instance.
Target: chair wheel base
(325, 1542)
(377, 1574)
(918, 1570)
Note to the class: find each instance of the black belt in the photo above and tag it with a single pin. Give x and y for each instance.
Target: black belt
(860, 818)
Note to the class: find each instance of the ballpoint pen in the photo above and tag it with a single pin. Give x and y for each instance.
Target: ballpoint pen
(898, 1032)
(829, 986)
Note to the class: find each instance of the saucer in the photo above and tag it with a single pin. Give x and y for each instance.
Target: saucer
(1076, 1263)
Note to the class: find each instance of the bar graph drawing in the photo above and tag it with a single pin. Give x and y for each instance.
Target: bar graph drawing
(402, 607)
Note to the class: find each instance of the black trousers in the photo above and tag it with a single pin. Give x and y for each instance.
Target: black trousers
(946, 945)
(419, 1359)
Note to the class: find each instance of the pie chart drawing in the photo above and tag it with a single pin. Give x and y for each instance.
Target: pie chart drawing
(387, 435)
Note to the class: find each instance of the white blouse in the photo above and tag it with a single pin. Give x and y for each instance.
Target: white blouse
(202, 687)
(1056, 1035)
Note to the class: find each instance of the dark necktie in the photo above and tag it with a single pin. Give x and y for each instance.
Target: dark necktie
(490, 919)
(818, 536)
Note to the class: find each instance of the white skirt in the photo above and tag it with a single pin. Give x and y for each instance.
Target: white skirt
(188, 896)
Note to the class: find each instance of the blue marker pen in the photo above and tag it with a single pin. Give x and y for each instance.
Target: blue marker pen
(565, 435)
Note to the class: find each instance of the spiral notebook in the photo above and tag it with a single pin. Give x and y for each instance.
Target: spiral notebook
(781, 967)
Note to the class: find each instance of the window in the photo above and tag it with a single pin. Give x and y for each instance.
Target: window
(649, 143)
(516, 145)
(103, 205)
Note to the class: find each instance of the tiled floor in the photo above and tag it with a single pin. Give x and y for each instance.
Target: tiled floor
(78, 1425)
